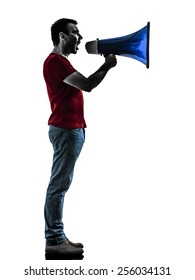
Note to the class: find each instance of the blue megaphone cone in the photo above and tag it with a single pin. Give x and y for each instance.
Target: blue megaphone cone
(135, 45)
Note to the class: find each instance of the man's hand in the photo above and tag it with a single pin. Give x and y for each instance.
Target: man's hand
(110, 60)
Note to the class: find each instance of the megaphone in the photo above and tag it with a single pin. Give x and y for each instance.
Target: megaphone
(135, 45)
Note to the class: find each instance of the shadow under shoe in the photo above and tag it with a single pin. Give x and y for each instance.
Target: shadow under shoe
(63, 257)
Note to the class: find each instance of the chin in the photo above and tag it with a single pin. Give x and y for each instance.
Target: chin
(74, 51)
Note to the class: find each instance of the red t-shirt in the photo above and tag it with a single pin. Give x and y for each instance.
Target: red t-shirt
(66, 101)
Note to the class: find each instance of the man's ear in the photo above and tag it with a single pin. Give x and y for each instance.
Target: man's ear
(62, 36)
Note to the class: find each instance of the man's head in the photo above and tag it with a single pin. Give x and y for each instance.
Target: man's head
(65, 33)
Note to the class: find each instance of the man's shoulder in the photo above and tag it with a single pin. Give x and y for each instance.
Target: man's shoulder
(54, 58)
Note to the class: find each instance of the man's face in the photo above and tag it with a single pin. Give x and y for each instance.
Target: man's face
(73, 38)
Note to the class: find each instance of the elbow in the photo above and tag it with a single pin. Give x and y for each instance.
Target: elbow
(87, 87)
(89, 84)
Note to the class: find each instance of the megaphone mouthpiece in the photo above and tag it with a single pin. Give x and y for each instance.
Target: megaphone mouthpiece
(92, 47)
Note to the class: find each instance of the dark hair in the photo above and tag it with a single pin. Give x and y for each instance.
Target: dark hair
(60, 26)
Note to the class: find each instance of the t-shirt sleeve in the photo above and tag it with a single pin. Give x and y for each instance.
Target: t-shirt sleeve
(61, 68)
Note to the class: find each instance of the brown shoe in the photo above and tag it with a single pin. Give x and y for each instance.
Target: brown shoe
(64, 249)
(77, 245)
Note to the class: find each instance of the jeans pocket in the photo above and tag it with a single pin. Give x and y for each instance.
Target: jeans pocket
(54, 133)
(77, 134)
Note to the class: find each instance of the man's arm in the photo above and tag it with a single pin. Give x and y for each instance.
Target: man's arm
(87, 84)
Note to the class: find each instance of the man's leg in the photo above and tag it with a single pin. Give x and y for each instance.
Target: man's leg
(67, 144)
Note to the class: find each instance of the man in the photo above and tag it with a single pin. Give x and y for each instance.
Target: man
(66, 126)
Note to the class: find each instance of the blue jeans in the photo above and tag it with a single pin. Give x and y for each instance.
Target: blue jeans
(67, 145)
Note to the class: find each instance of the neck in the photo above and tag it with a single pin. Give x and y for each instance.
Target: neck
(59, 50)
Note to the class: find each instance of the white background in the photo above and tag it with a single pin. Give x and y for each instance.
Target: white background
(131, 201)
